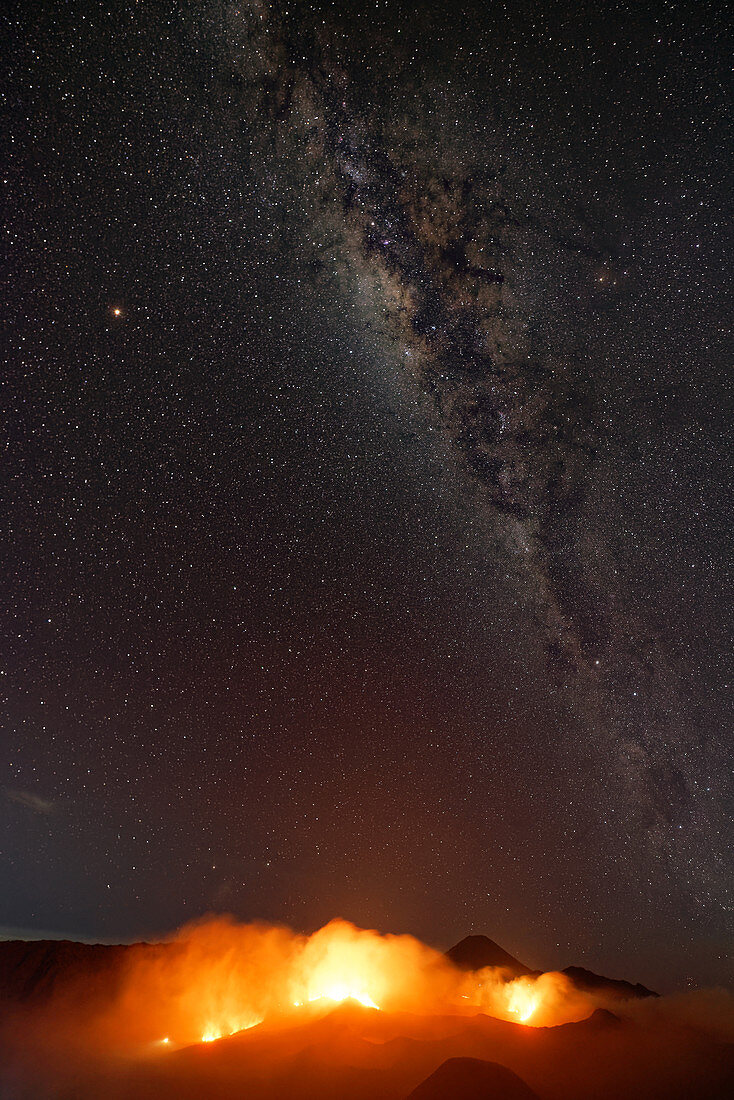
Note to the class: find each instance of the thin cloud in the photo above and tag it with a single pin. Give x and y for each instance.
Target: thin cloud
(32, 802)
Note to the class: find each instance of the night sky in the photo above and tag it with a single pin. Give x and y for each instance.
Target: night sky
(365, 474)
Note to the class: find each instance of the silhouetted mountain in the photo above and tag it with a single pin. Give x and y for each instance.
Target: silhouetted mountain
(472, 1079)
(476, 952)
(31, 970)
(589, 982)
(601, 1019)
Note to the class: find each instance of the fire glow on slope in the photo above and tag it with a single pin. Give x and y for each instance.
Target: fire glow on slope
(212, 1033)
(338, 993)
(521, 1001)
(217, 978)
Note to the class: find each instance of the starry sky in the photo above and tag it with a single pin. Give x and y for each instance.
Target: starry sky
(365, 474)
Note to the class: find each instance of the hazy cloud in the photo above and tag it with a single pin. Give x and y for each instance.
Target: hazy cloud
(31, 801)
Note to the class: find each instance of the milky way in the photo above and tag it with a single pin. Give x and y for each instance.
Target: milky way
(443, 225)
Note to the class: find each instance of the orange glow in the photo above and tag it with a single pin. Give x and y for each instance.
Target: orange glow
(341, 963)
(216, 978)
(522, 1003)
(542, 1001)
(342, 992)
(213, 1033)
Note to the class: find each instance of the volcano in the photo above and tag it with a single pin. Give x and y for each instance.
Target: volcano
(478, 952)
(223, 1010)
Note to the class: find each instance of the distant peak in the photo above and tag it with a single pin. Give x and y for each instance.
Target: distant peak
(590, 982)
(477, 952)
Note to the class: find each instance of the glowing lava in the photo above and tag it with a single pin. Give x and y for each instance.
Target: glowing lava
(522, 1005)
(342, 992)
(211, 1034)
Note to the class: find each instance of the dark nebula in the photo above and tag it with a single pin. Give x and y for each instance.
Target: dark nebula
(367, 451)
